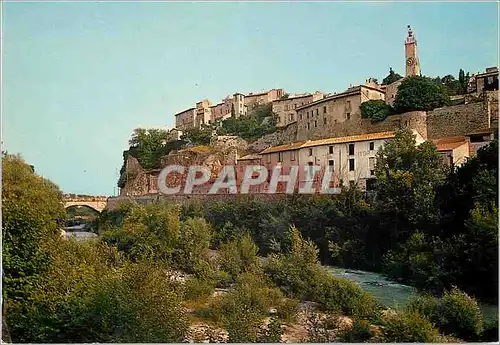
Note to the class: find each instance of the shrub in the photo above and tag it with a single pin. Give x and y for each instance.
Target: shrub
(408, 327)
(238, 255)
(224, 280)
(424, 304)
(490, 332)
(195, 288)
(194, 242)
(359, 333)
(273, 332)
(287, 310)
(460, 315)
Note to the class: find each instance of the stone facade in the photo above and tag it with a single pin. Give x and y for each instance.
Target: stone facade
(456, 120)
(411, 54)
(318, 119)
(185, 119)
(203, 113)
(285, 109)
(252, 100)
(487, 81)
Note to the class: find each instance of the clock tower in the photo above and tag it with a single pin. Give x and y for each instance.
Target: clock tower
(412, 63)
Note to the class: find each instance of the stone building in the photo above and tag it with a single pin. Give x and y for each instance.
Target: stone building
(352, 158)
(453, 150)
(185, 119)
(286, 109)
(231, 105)
(315, 119)
(252, 100)
(203, 113)
(487, 81)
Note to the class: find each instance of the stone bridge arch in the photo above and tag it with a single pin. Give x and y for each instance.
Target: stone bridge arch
(97, 203)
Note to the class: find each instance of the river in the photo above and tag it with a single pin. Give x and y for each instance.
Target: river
(391, 294)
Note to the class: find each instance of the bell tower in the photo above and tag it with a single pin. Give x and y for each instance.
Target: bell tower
(412, 63)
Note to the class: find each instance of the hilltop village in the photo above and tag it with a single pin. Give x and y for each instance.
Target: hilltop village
(335, 131)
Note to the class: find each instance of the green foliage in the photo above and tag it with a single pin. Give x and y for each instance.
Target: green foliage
(198, 136)
(375, 109)
(238, 255)
(287, 309)
(243, 309)
(459, 315)
(454, 86)
(420, 93)
(455, 313)
(391, 77)
(257, 123)
(31, 209)
(90, 295)
(194, 242)
(148, 146)
(408, 327)
(150, 231)
(273, 332)
(299, 275)
(196, 288)
(359, 333)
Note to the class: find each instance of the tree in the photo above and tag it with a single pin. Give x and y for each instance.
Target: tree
(420, 93)
(391, 77)
(198, 136)
(31, 210)
(375, 109)
(407, 176)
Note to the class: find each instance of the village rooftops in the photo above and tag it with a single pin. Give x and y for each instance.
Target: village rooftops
(489, 72)
(330, 141)
(293, 97)
(252, 156)
(349, 92)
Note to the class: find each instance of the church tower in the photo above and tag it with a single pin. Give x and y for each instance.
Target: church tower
(412, 63)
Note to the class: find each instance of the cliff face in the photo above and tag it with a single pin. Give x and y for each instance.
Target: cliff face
(223, 150)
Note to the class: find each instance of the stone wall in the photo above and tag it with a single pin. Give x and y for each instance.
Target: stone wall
(492, 104)
(456, 120)
(282, 136)
(414, 120)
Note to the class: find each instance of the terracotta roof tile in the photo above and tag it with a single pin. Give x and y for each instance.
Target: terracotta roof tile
(287, 147)
(449, 143)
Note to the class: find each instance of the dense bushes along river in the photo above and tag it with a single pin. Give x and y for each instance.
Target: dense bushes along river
(428, 227)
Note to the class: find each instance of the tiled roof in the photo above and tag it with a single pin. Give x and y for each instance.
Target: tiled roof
(482, 131)
(250, 157)
(349, 92)
(330, 141)
(449, 143)
(293, 146)
(350, 139)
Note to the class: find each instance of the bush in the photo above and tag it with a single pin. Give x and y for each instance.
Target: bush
(299, 275)
(287, 310)
(459, 315)
(195, 288)
(490, 332)
(238, 255)
(224, 280)
(375, 109)
(194, 242)
(424, 304)
(273, 332)
(408, 327)
(242, 310)
(359, 333)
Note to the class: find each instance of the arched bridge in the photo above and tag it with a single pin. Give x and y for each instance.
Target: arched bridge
(98, 203)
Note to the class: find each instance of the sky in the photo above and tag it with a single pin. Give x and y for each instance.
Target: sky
(77, 78)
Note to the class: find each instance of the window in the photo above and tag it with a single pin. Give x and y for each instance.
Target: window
(301, 116)
(351, 149)
(308, 126)
(295, 106)
(330, 149)
(330, 165)
(310, 152)
(292, 155)
(351, 164)
(348, 116)
(307, 114)
(371, 163)
(315, 123)
(324, 120)
(286, 107)
(280, 156)
(317, 111)
(324, 110)
(372, 146)
(372, 172)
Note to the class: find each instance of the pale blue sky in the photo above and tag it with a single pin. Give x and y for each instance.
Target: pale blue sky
(79, 77)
